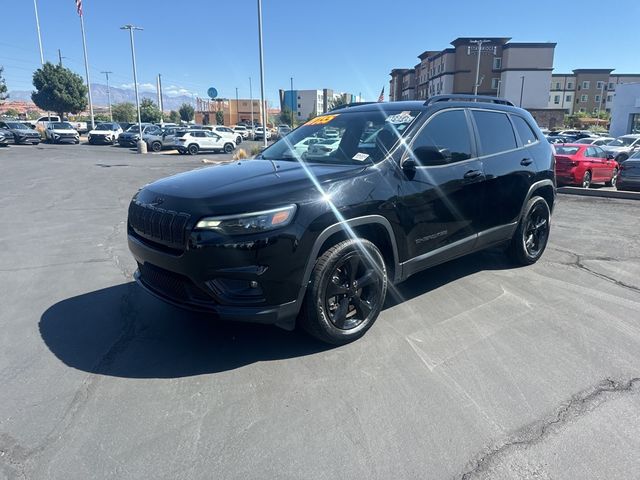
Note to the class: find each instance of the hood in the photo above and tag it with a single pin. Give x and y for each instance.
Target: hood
(63, 130)
(231, 187)
(103, 132)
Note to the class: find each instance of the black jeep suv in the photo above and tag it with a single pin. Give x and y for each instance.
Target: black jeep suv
(318, 225)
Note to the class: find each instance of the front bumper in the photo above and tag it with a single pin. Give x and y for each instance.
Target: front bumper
(127, 142)
(101, 139)
(28, 140)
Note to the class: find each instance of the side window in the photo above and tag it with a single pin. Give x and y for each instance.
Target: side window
(495, 132)
(599, 152)
(445, 139)
(591, 152)
(527, 135)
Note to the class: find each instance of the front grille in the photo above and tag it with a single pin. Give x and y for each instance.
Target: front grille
(159, 225)
(171, 285)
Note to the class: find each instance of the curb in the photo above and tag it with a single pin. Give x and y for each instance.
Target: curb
(599, 193)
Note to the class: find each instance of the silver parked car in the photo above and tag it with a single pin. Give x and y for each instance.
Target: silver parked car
(158, 140)
(623, 147)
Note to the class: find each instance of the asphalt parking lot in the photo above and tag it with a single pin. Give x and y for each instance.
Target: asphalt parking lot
(480, 370)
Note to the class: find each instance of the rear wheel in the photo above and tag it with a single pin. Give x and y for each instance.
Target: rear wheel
(586, 179)
(228, 148)
(614, 179)
(530, 238)
(156, 146)
(193, 149)
(346, 292)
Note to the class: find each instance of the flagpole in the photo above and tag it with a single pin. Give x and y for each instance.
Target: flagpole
(35, 6)
(86, 68)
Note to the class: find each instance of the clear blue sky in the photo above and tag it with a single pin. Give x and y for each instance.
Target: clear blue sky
(347, 45)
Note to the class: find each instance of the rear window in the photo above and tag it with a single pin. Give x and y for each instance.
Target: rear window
(567, 150)
(495, 131)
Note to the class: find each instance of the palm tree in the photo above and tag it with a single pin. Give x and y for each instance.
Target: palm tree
(338, 101)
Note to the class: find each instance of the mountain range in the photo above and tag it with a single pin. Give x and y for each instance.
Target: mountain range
(118, 95)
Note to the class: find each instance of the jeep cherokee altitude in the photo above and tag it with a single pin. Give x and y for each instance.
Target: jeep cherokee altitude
(278, 239)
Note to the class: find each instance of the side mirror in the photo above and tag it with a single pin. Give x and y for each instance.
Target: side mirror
(409, 165)
(431, 155)
(610, 157)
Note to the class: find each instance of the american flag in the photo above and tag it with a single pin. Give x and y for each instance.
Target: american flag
(380, 98)
(79, 7)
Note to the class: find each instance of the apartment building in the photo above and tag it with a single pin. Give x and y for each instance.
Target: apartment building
(586, 90)
(520, 72)
(309, 103)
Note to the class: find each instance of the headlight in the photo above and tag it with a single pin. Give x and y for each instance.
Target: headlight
(254, 222)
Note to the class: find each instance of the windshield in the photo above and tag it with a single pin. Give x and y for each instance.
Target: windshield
(60, 126)
(343, 137)
(106, 126)
(621, 142)
(17, 126)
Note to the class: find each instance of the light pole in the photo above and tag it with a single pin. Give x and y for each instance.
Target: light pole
(264, 110)
(479, 44)
(251, 101)
(292, 103)
(237, 108)
(600, 104)
(131, 28)
(35, 7)
(521, 90)
(109, 95)
(499, 85)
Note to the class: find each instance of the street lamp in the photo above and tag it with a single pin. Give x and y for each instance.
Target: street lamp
(131, 28)
(264, 110)
(109, 95)
(479, 44)
(521, 89)
(292, 103)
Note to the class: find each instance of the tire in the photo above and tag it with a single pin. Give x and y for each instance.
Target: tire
(182, 152)
(614, 179)
(346, 292)
(228, 148)
(193, 149)
(586, 179)
(239, 140)
(530, 238)
(156, 146)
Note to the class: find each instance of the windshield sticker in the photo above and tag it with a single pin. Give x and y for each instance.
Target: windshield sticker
(321, 120)
(361, 157)
(402, 117)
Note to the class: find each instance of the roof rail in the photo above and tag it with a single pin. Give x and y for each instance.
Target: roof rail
(347, 105)
(467, 97)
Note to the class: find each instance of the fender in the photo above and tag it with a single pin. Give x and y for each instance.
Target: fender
(532, 189)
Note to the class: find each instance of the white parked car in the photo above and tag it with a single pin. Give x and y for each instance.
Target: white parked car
(597, 141)
(241, 130)
(194, 141)
(106, 132)
(225, 132)
(260, 133)
(61, 132)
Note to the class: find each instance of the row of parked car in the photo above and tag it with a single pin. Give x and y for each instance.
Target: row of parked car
(584, 159)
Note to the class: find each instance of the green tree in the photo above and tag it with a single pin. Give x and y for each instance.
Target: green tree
(149, 112)
(186, 112)
(285, 116)
(3, 86)
(220, 117)
(174, 117)
(124, 112)
(11, 112)
(59, 90)
(338, 101)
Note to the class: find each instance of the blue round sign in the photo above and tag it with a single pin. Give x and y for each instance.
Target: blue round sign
(212, 92)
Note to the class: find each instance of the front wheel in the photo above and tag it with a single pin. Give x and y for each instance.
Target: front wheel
(614, 179)
(193, 149)
(530, 238)
(346, 292)
(156, 146)
(586, 179)
(228, 148)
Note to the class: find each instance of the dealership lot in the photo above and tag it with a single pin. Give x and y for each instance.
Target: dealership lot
(476, 370)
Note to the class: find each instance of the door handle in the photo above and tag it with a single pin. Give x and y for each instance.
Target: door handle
(471, 174)
(526, 162)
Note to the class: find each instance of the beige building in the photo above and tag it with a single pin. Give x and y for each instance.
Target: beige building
(234, 111)
(520, 72)
(586, 90)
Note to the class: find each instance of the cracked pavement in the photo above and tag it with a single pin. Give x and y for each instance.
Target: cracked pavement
(482, 372)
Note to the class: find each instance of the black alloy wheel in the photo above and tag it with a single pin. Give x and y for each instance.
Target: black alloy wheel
(532, 234)
(156, 146)
(193, 149)
(346, 293)
(228, 148)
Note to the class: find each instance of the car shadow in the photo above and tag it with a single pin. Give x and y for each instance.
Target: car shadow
(123, 331)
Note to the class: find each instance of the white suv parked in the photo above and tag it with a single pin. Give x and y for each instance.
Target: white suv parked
(193, 141)
(241, 130)
(225, 132)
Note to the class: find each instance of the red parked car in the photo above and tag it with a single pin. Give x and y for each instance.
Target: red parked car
(579, 164)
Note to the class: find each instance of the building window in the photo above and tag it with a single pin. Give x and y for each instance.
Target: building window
(557, 85)
(586, 85)
(298, 105)
(584, 98)
(609, 98)
(597, 99)
(568, 98)
(582, 110)
(494, 83)
(569, 85)
(497, 63)
(556, 99)
(600, 85)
